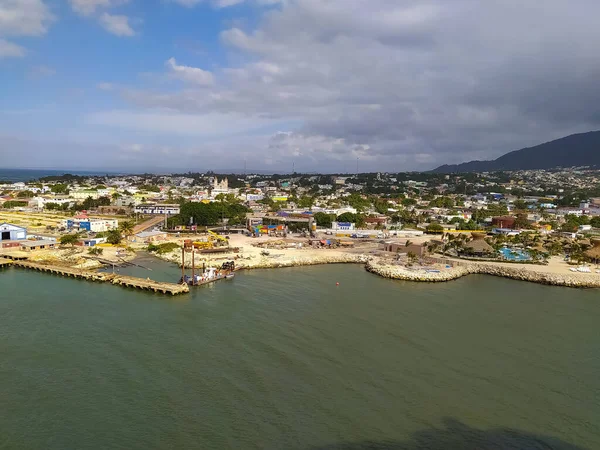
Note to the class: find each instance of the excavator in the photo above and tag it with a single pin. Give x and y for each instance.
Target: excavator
(213, 240)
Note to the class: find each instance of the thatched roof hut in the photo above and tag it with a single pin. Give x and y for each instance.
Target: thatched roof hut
(594, 252)
(478, 245)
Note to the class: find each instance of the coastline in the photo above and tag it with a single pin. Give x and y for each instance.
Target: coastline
(384, 268)
(469, 268)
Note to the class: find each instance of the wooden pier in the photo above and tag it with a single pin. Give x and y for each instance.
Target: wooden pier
(5, 263)
(120, 280)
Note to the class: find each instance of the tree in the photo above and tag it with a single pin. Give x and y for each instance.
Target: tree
(520, 205)
(324, 220)
(435, 227)
(60, 188)
(347, 217)
(306, 202)
(113, 237)
(521, 221)
(69, 239)
(126, 228)
(595, 221)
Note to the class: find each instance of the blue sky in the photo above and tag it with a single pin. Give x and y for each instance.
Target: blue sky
(208, 84)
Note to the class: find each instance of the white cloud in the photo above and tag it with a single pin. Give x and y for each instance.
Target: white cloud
(190, 74)
(116, 24)
(187, 3)
(24, 17)
(10, 50)
(133, 148)
(41, 71)
(224, 3)
(89, 7)
(105, 86)
(178, 124)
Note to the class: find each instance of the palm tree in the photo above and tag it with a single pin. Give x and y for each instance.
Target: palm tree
(126, 228)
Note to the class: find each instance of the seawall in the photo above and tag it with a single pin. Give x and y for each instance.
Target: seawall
(468, 268)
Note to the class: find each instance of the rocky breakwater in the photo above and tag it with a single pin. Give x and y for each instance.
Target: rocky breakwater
(397, 272)
(296, 261)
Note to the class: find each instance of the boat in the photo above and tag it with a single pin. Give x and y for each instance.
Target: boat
(229, 276)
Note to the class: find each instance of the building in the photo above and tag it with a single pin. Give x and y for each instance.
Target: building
(93, 225)
(157, 209)
(30, 246)
(504, 222)
(342, 226)
(151, 236)
(220, 187)
(9, 232)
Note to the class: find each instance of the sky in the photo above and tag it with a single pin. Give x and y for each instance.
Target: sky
(276, 85)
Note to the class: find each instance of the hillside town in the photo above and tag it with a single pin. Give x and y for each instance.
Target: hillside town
(409, 219)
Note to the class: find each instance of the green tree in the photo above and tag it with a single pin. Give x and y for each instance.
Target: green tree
(306, 201)
(324, 220)
(69, 239)
(113, 237)
(434, 227)
(520, 205)
(126, 228)
(60, 188)
(347, 217)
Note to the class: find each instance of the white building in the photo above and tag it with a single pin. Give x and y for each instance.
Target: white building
(9, 232)
(156, 209)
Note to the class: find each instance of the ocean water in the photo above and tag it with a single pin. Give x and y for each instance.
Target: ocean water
(285, 359)
(24, 175)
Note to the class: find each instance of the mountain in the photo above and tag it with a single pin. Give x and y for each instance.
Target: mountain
(575, 150)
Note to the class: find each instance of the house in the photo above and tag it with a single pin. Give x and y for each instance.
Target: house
(9, 232)
(30, 246)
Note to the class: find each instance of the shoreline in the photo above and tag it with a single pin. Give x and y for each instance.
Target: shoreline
(513, 273)
(382, 267)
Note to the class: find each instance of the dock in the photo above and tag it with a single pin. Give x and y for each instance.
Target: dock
(119, 280)
(5, 263)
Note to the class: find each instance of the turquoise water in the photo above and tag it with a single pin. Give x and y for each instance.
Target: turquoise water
(514, 254)
(285, 359)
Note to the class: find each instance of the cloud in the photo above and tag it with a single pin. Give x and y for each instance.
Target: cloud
(224, 3)
(116, 24)
(172, 123)
(190, 74)
(132, 148)
(89, 7)
(10, 50)
(105, 86)
(41, 71)
(416, 82)
(24, 17)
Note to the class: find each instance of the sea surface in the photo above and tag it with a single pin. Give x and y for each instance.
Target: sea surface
(24, 175)
(285, 359)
